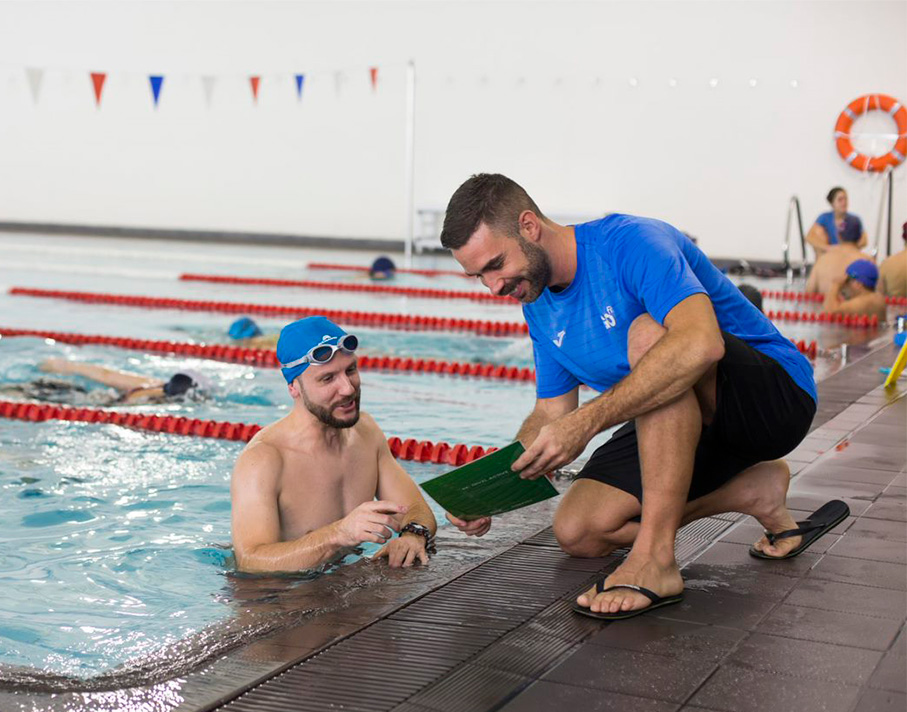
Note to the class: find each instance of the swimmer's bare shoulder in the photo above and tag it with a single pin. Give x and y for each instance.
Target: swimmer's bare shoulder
(259, 465)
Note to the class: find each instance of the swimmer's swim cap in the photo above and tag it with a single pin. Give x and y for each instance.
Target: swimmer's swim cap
(298, 338)
(382, 268)
(178, 384)
(852, 231)
(864, 272)
(244, 328)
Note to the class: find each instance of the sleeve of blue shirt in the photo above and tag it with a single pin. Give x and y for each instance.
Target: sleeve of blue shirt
(654, 269)
(551, 379)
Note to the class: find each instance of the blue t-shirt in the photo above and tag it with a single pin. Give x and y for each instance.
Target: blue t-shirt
(627, 266)
(853, 228)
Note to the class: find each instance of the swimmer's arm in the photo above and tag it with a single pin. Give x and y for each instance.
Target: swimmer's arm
(856, 305)
(115, 379)
(546, 411)
(834, 302)
(255, 516)
(818, 238)
(395, 485)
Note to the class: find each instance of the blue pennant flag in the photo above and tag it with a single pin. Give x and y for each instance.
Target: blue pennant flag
(156, 84)
(300, 79)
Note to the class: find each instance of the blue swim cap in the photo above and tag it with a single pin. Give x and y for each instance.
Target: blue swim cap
(244, 328)
(852, 231)
(383, 265)
(864, 272)
(298, 338)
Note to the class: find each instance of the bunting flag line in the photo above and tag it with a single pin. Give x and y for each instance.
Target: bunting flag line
(97, 79)
(373, 73)
(35, 76)
(156, 82)
(255, 81)
(208, 86)
(300, 79)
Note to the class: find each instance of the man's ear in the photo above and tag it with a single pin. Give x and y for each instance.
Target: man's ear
(530, 226)
(295, 388)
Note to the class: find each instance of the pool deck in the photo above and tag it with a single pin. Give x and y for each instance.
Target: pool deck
(824, 631)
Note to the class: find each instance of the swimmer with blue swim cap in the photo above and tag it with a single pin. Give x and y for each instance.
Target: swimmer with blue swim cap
(382, 268)
(249, 334)
(322, 478)
(855, 293)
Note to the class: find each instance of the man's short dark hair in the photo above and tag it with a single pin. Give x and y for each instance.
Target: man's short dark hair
(488, 198)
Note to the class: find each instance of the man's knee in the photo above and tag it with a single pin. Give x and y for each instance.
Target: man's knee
(580, 538)
(643, 334)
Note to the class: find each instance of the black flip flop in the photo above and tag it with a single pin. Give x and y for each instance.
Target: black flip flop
(657, 602)
(823, 520)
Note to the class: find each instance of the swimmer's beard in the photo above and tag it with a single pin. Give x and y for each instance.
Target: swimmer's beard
(326, 415)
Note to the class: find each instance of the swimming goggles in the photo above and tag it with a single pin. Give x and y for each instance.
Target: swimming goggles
(323, 353)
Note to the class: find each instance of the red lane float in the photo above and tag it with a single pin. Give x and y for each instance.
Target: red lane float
(359, 268)
(355, 318)
(417, 292)
(854, 321)
(267, 358)
(819, 298)
(409, 449)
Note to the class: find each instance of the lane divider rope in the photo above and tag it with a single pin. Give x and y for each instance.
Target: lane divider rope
(356, 318)
(359, 268)
(853, 321)
(409, 449)
(267, 358)
(418, 292)
(819, 298)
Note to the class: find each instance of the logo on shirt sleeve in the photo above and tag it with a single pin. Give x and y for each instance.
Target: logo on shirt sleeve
(560, 338)
(608, 318)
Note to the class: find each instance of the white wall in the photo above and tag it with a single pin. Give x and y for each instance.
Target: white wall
(537, 90)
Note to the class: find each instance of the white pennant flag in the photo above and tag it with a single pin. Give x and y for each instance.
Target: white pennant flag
(208, 85)
(35, 76)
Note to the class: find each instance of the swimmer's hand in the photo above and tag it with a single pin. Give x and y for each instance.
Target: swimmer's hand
(558, 443)
(476, 527)
(404, 551)
(370, 521)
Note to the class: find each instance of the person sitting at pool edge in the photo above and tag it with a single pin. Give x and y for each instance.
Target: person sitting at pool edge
(854, 293)
(304, 489)
(134, 389)
(832, 264)
(828, 227)
(893, 272)
(249, 335)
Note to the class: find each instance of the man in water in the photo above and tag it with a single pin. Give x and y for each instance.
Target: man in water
(715, 395)
(855, 292)
(832, 263)
(305, 488)
(132, 388)
(249, 335)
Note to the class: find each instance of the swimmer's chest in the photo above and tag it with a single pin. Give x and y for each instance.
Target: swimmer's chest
(317, 490)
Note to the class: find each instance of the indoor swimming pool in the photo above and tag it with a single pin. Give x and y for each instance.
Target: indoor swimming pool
(121, 539)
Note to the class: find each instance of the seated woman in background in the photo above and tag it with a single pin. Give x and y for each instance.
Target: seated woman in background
(830, 226)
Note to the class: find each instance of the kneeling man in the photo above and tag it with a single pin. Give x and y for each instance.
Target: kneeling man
(305, 487)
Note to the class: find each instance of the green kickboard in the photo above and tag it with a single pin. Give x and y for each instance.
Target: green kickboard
(488, 486)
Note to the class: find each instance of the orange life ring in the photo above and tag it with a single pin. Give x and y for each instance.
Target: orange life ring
(870, 102)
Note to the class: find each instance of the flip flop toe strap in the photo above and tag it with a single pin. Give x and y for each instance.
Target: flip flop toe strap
(651, 595)
(805, 528)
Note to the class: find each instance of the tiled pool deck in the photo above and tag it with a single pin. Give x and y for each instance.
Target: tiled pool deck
(824, 631)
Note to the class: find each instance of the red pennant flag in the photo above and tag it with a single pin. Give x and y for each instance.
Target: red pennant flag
(255, 82)
(373, 71)
(97, 78)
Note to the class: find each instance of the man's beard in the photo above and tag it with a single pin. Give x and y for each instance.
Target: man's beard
(326, 414)
(538, 271)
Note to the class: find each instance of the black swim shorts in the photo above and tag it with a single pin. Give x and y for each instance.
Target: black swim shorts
(761, 414)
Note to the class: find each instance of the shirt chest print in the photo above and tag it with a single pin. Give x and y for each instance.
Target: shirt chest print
(608, 318)
(560, 338)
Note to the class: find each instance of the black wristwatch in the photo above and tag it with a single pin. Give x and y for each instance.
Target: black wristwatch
(423, 531)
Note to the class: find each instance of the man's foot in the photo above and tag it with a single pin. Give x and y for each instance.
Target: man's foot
(662, 579)
(770, 483)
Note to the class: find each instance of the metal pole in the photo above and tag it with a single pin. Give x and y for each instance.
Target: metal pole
(890, 194)
(410, 161)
